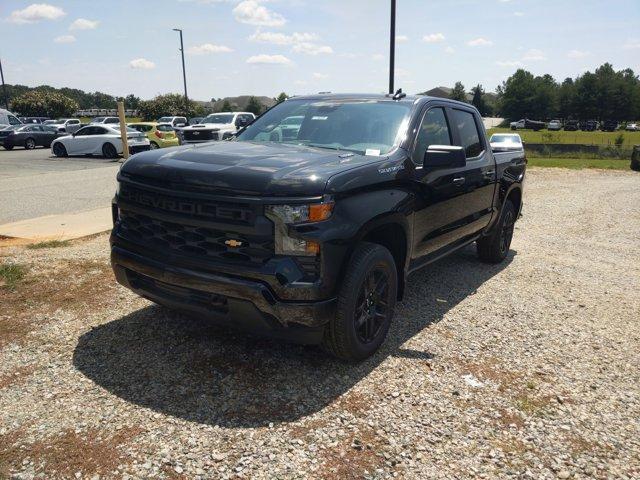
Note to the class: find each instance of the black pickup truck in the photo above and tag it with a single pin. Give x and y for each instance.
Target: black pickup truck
(310, 233)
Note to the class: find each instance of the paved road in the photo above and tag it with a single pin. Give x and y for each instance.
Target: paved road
(34, 184)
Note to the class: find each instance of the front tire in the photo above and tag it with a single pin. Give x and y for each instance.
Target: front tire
(30, 144)
(153, 146)
(365, 307)
(109, 151)
(494, 248)
(59, 150)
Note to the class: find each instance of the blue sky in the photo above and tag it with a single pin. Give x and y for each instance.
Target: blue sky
(263, 47)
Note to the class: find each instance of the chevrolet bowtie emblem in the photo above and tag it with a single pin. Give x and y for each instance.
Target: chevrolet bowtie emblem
(233, 243)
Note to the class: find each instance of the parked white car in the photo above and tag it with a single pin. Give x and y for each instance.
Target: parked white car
(8, 118)
(632, 127)
(505, 142)
(519, 125)
(68, 125)
(217, 126)
(554, 125)
(102, 140)
(105, 121)
(174, 121)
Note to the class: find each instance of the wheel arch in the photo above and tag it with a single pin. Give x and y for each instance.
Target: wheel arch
(392, 232)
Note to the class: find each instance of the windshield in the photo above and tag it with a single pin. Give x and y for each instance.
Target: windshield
(165, 119)
(98, 119)
(218, 118)
(368, 127)
(505, 139)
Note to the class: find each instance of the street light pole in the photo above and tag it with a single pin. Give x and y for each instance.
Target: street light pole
(4, 88)
(392, 46)
(184, 73)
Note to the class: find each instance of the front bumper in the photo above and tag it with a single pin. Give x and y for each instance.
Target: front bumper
(233, 301)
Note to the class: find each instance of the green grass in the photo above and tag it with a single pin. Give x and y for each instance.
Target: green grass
(11, 274)
(49, 244)
(579, 137)
(579, 163)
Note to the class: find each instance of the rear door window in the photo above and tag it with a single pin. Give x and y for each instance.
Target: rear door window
(469, 133)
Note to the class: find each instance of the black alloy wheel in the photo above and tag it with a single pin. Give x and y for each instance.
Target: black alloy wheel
(373, 305)
(29, 144)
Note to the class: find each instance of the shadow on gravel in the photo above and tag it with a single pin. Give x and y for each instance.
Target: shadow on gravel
(186, 368)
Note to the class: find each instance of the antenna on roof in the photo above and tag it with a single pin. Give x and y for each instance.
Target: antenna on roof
(399, 94)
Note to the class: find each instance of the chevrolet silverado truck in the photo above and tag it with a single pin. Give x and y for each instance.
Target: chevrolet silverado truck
(311, 236)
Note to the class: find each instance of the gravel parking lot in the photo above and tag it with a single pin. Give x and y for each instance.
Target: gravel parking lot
(527, 369)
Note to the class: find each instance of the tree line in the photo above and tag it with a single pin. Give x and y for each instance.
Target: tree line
(605, 94)
(63, 102)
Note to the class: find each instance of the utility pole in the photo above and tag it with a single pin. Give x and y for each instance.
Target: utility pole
(392, 46)
(4, 88)
(184, 73)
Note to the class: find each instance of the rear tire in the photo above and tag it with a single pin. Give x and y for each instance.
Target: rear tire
(365, 307)
(30, 144)
(109, 151)
(494, 248)
(59, 150)
(153, 146)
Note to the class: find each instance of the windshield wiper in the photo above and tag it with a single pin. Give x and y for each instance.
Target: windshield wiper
(322, 145)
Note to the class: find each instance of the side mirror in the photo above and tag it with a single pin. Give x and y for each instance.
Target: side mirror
(241, 122)
(445, 156)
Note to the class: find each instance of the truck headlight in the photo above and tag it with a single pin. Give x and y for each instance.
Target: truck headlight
(285, 215)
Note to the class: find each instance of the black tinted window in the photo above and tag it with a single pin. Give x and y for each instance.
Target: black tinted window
(469, 135)
(164, 128)
(434, 130)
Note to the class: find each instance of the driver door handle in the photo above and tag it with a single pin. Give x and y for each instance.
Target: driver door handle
(458, 181)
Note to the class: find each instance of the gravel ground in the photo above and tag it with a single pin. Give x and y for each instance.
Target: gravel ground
(523, 370)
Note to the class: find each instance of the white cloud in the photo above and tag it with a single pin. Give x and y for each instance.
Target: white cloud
(84, 24)
(269, 59)
(320, 76)
(577, 54)
(277, 38)
(206, 48)
(300, 82)
(518, 14)
(35, 13)
(142, 64)
(449, 50)
(65, 39)
(509, 63)
(534, 55)
(433, 38)
(480, 42)
(632, 44)
(312, 48)
(402, 38)
(251, 12)
(377, 57)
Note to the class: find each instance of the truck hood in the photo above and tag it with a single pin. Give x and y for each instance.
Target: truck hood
(245, 168)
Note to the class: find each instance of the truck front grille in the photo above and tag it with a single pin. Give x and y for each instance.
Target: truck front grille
(201, 209)
(190, 240)
(198, 135)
